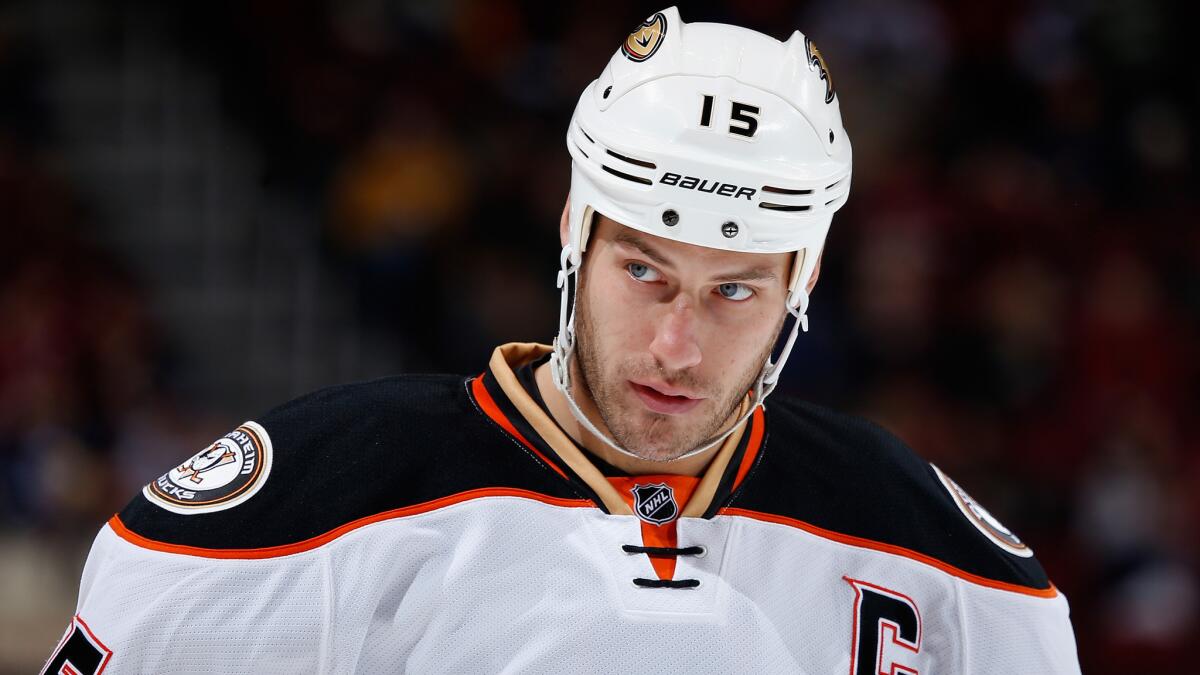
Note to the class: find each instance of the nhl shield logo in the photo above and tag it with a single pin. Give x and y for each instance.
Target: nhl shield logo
(655, 503)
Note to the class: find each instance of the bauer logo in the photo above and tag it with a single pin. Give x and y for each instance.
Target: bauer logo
(645, 39)
(219, 477)
(655, 503)
(713, 187)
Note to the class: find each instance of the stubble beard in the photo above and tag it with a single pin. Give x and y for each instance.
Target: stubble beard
(646, 434)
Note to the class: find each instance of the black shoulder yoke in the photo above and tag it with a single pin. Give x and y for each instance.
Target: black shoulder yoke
(848, 476)
(354, 451)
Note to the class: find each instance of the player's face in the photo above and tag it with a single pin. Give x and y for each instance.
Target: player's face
(671, 336)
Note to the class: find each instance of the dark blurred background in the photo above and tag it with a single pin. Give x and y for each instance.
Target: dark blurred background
(208, 208)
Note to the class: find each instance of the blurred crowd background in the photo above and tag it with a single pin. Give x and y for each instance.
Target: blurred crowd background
(208, 208)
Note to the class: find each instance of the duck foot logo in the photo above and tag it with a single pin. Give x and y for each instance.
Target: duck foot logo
(221, 476)
(645, 39)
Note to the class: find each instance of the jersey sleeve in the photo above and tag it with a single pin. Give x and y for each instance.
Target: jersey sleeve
(143, 610)
(1005, 632)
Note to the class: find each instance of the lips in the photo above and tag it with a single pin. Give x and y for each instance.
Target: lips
(662, 402)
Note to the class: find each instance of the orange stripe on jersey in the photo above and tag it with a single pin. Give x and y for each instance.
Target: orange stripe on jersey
(665, 535)
(489, 407)
(322, 539)
(752, 447)
(890, 548)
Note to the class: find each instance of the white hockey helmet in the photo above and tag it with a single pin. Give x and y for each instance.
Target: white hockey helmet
(713, 135)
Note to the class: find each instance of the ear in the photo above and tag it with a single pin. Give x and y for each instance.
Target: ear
(812, 281)
(564, 223)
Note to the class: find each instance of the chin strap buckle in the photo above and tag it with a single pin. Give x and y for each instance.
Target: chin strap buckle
(564, 342)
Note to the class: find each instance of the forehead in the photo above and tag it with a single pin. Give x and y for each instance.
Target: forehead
(608, 231)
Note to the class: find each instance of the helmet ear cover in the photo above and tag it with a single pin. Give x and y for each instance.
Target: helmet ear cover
(711, 135)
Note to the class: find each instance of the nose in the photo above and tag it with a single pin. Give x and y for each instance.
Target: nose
(674, 344)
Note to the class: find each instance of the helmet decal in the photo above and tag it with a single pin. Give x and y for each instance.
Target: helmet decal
(817, 60)
(645, 39)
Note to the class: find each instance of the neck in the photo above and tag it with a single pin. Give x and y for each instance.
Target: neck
(560, 410)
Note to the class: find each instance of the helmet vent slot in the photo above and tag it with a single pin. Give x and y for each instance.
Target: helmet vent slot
(637, 162)
(784, 207)
(785, 191)
(585, 134)
(579, 149)
(626, 176)
(834, 184)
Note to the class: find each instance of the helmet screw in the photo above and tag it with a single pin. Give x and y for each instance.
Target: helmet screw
(607, 91)
(729, 229)
(670, 218)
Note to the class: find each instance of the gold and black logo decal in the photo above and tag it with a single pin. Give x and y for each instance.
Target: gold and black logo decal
(815, 58)
(645, 39)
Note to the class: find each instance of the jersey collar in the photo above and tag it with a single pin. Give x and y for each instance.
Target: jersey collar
(500, 395)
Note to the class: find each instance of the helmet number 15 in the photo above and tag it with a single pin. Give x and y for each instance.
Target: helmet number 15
(743, 120)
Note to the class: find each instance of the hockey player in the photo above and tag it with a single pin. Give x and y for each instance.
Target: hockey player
(624, 500)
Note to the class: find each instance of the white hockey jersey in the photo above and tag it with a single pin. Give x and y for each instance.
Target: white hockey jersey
(434, 524)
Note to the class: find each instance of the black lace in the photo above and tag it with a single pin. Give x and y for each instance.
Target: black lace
(666, 583)
(665, 550)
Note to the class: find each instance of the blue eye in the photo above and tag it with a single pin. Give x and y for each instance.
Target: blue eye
(641, 272)
(736, 292)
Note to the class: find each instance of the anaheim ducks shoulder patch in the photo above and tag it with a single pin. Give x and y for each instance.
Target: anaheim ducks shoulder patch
(982, 520)
(219, 477)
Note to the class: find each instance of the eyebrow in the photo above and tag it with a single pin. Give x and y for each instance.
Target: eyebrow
(748, 274)
(636, 242)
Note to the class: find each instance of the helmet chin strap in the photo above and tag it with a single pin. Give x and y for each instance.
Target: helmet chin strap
(564, 350)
